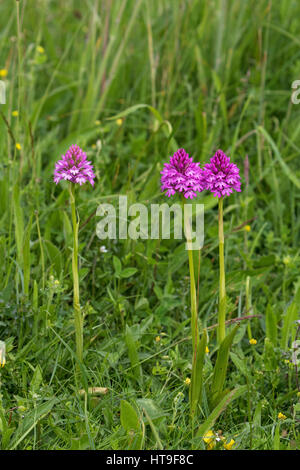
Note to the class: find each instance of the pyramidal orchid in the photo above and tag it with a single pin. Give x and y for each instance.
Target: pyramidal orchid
(77, 170)
(74, 167)
(182, 175)
(185, 177)
(222, 178)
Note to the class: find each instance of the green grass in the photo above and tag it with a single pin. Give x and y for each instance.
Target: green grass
(199, 75)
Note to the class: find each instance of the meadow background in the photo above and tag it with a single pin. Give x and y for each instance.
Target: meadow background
(130, 81)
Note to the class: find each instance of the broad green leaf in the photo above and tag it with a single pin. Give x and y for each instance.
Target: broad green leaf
(132, 425)
(132, 353)
(210, 421)
(197, 373)
(36, 380)
(220, 368)
(129, 417)
(142, 304)
(239, 364)
(117, 265)
(80, 443)
(127, 272)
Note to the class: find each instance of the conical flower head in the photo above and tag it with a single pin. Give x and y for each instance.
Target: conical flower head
(221, 176)
(182, 175)
(74, 167)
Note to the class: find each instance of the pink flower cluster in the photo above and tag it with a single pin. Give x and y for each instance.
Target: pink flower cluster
(221, 176)
(74, 167)
(182, 175)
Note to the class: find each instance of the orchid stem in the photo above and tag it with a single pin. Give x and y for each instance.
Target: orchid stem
(193, 292)
(194, 309)
(222, 293)
(76, 303)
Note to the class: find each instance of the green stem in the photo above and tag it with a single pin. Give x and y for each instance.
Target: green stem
(194, 320)
(222, 293)
(77, 312)
(194, 311)
(193, 292)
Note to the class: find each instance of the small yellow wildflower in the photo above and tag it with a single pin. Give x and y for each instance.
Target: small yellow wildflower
(157, 339)
(15, 113)
(18, 146)
(119, 122)
(206, 350)
(229, 445)
(252, 341)
(97, 122)
(3, 73)
(187, 381)
(247, 228)
(40, 49)
(209, 439)
(281, 416)
(56, 282)
(287, 260)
